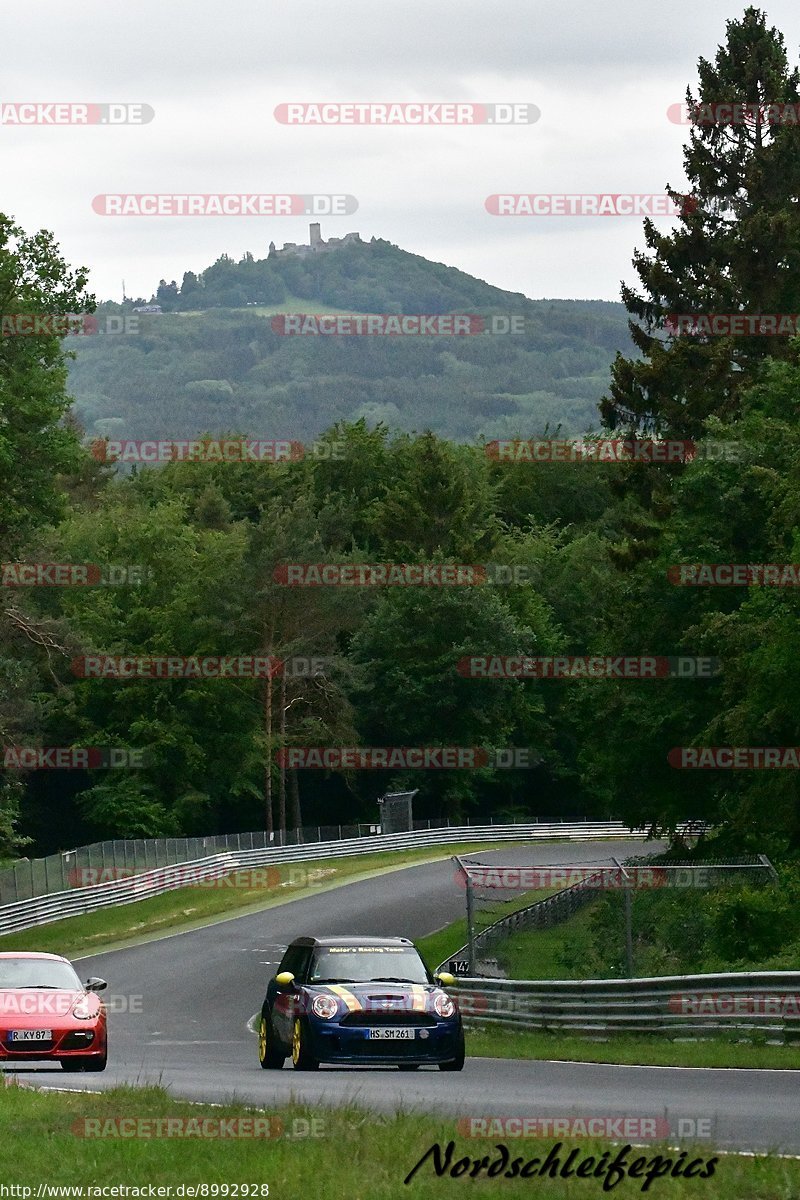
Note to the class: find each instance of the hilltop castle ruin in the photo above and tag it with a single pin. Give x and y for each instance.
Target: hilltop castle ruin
(316, 244)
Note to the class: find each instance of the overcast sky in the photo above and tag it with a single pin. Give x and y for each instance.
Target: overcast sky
(603, 76)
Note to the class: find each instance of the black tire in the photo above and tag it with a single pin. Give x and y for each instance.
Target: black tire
(85, 1063)
(269, 1052)
(408, 1066)
(96, 1064)
(302, 1058)
(457, 1063)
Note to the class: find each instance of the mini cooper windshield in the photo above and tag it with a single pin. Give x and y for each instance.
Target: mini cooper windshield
(368, 964)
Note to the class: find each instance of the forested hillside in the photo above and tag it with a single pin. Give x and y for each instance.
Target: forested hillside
(213, 361)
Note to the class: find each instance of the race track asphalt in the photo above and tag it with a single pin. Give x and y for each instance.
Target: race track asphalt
(195, 994)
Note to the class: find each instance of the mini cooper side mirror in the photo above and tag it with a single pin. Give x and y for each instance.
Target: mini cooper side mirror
(445, 978)
(96, 985)
(285, 980)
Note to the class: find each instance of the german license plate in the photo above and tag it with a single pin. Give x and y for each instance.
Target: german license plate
(30, 1035)
(392, 1035)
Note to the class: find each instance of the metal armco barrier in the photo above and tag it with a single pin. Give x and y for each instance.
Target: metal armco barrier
(700, 1005)
(42, 876)
(40, 910)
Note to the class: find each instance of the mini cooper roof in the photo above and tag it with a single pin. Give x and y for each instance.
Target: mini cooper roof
(351, 940)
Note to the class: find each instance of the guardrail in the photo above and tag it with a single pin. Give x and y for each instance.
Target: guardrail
(763, 1001)
(77, 901)
(44, 876)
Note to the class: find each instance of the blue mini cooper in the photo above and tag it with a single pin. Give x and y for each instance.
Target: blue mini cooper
(357, 1000)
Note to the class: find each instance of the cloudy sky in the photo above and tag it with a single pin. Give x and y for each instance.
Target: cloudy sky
(603, 76)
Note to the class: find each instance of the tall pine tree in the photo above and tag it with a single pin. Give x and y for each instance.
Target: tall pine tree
(736, 249)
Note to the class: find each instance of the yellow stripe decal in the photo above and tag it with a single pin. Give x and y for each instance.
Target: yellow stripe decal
(418, 997)
(348, 997)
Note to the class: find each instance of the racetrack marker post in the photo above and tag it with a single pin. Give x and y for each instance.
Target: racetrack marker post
(470, 926)
(628, 917)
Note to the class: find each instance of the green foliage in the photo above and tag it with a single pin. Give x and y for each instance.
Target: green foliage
(750, 924)
(201, 365)
(736, 248)
(126, 806)
(34, 446)
(736, 926)
(11, 793)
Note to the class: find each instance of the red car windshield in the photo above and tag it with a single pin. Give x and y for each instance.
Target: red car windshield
(361, 964)
(38, 973)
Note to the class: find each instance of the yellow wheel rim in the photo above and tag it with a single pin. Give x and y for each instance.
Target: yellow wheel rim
(262, 1039)
(296, 1042)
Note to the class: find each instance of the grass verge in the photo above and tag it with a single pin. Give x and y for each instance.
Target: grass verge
(436, 947)
(192, 907)
(350, 1152)
(498, 1041)
(527, 955)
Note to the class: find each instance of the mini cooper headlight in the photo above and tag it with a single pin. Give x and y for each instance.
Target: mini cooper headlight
(84, 1010)
(324, 1006)
(443, 1005)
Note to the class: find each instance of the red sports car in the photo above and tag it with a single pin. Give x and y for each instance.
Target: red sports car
(47, 1013)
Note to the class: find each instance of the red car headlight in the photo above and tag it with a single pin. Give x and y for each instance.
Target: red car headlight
(85, 1009)
(443, 1006)
(325, 1007)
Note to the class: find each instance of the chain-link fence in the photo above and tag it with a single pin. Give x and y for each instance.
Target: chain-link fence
(103, 861)
(502, 901)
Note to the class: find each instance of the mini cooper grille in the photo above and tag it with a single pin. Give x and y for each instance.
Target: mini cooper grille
(397, 1017)
(380, 1049)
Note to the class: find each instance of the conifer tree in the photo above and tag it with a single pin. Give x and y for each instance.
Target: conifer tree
(736, 248)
